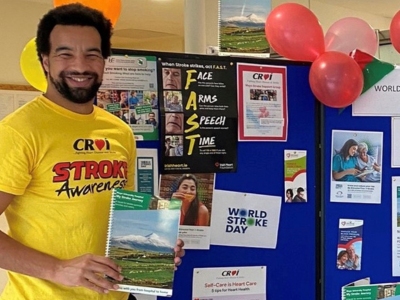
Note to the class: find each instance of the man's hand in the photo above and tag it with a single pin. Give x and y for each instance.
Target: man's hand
(179, 252)
(88, 271)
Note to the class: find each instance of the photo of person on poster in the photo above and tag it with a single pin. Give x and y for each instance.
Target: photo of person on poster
(174, 123)
(289, 195)
(348, 258)
(179, 146)
(171, 78)
(152, 119)
(168, 148)
(353, 259)
(300, 195)
(342, 260)
(195, 190)
(367, 164)
(193, 212)
(123, 96)
(175, 104)
(356, 162)
(344, 164)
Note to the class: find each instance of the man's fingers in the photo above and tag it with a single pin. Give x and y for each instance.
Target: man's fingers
(177, 261)
(106, 261)
(104, 265)
(98, 285)
(180, 243)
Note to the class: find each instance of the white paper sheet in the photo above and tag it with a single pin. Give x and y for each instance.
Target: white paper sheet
(230, 283)
(245, 220)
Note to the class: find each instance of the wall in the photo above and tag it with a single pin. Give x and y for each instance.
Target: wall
(328, 13)
(18, 26)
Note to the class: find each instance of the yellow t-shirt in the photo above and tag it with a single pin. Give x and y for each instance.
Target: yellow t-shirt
(61, 166)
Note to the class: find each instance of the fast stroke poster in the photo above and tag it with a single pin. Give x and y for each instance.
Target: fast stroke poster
(199, 116)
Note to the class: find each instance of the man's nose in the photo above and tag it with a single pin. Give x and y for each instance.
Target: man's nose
(81, 63)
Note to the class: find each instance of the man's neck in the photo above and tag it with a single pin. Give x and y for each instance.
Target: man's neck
(79, 108)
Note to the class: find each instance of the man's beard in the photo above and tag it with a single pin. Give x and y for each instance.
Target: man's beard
(76, 95)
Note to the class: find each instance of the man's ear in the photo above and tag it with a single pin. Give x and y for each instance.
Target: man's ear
(45, 62)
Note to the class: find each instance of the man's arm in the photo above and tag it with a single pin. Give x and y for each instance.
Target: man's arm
(86, 270)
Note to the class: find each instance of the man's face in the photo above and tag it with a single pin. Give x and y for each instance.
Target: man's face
(171, 78)
(173, 123)
(301, 194)
(151, 117)
(75, 64)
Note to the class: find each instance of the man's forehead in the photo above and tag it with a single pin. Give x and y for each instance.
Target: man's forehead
(72, 35)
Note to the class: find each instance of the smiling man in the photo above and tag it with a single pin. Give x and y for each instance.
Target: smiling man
(61, 157)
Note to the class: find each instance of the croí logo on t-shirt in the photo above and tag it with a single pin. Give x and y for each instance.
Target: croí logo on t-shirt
(91, 144)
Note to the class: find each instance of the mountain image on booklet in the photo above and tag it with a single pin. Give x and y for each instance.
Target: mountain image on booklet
(142, 236)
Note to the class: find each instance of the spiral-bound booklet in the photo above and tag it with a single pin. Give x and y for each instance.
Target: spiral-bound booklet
(142, 234)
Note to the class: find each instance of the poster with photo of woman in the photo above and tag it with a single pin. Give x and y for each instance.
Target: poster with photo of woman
(356, 166)
(195, 190)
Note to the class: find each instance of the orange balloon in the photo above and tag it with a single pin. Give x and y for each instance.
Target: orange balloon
(110, 8)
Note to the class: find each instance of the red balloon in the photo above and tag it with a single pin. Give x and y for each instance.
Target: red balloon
(394, 31)
(336, 79)
(351, 33)
(294, 32)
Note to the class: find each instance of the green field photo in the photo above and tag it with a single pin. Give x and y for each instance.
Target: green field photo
(144, 268)
(241, 26)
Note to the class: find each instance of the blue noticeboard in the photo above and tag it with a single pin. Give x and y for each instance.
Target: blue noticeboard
(293, 267)
(376, 260)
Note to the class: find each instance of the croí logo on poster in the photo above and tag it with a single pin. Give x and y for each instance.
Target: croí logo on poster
(262, 76)
(230, 273)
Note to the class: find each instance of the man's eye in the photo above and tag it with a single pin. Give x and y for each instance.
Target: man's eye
(176, 74)
(94, 55)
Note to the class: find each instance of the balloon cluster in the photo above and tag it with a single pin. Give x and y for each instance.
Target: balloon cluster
(31, 67)
(336, 79)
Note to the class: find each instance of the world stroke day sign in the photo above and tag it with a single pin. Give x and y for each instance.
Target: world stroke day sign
(246, 217)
